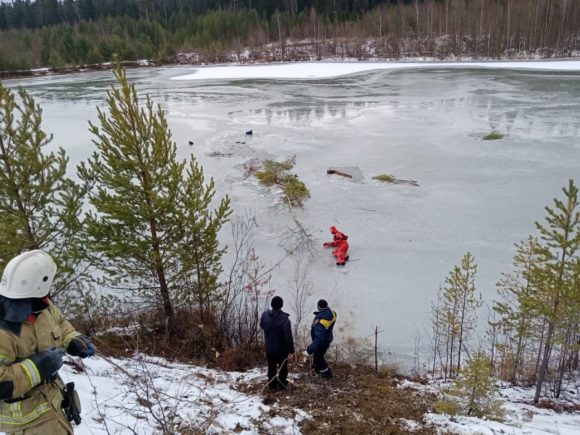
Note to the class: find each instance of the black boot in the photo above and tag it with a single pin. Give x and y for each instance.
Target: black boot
(326, 374)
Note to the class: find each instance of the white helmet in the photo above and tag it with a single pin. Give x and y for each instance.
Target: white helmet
(28, 275)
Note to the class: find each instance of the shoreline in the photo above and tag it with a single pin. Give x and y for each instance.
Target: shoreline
(185, 60)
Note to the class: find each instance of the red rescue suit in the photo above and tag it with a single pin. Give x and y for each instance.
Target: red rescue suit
(338, 241)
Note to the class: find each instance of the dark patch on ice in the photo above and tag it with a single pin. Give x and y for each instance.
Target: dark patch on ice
(355, 171)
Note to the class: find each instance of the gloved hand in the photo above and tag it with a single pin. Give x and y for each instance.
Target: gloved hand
(305, 353)
(81, 346)
(326, 245)
(47, 363)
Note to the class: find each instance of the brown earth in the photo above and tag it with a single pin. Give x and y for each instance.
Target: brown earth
(356, 401)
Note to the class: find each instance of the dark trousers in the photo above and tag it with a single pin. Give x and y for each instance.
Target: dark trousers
(277, 365)
(319, 363)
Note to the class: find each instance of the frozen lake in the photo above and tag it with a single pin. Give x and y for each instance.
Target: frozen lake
(415, 123)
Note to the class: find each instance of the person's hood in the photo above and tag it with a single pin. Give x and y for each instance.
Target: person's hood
(14, 310)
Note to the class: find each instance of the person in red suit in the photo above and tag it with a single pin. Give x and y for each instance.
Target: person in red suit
(339, 242)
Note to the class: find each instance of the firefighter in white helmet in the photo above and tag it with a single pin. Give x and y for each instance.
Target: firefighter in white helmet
(34, 336)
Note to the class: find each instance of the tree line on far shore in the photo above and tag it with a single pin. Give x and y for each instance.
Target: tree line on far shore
(53, 33)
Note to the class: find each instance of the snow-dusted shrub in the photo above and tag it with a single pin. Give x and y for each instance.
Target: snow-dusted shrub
(474, 392)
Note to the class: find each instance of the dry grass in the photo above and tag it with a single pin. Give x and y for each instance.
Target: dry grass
(354, 402)
(194, 340)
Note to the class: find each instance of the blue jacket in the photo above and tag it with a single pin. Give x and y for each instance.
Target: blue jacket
(277, 332)
(321, 331)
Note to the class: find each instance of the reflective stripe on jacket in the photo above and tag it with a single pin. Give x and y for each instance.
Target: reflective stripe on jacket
(321, 330)
(25, 400)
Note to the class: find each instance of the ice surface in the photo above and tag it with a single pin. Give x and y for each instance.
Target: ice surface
(424, 124)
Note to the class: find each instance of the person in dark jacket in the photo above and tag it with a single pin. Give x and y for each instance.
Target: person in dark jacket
(321, 333)
(279, 343)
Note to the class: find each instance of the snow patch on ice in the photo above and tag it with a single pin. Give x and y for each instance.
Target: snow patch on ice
(315, 70)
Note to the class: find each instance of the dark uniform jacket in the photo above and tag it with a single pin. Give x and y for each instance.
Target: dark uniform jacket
(321, 331)
(277, 332)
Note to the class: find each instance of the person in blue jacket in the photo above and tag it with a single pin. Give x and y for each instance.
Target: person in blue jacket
(279, 343)
(321, 333)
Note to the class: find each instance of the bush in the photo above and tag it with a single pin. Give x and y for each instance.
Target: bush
(390, 369)
(473, 392)
(241, 358)
(494, 135)
(385, 178)
(446, 407)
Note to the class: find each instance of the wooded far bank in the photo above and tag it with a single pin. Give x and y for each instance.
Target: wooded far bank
(60, 34)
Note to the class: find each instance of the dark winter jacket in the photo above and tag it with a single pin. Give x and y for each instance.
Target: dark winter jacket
(321, 331)
(277, 332)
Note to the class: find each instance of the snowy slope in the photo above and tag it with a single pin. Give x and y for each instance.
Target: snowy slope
(122, 396)
(114, 403)
(521, 417)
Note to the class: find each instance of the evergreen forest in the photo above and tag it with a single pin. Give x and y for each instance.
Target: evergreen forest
(70, 33)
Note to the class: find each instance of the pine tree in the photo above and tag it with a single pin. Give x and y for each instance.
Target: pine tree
(560, 240)
(475, 390)
(517, 322)
(458, 311)
(39, 205)
(152, 225)
(439, 332)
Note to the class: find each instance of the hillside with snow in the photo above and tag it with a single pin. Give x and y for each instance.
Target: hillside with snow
(142, 394)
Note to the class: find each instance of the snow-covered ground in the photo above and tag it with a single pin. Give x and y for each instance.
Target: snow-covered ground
(115, 403)
(136, 395)
(317, 70)
(208, 399)
(521, 417)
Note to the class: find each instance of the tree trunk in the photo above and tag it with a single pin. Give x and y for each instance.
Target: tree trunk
(545, 361)
(508, 25)
(417, 31)
(540, 348)
(519, 351)
(282, 43)
(562, 365)
(462, 320)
